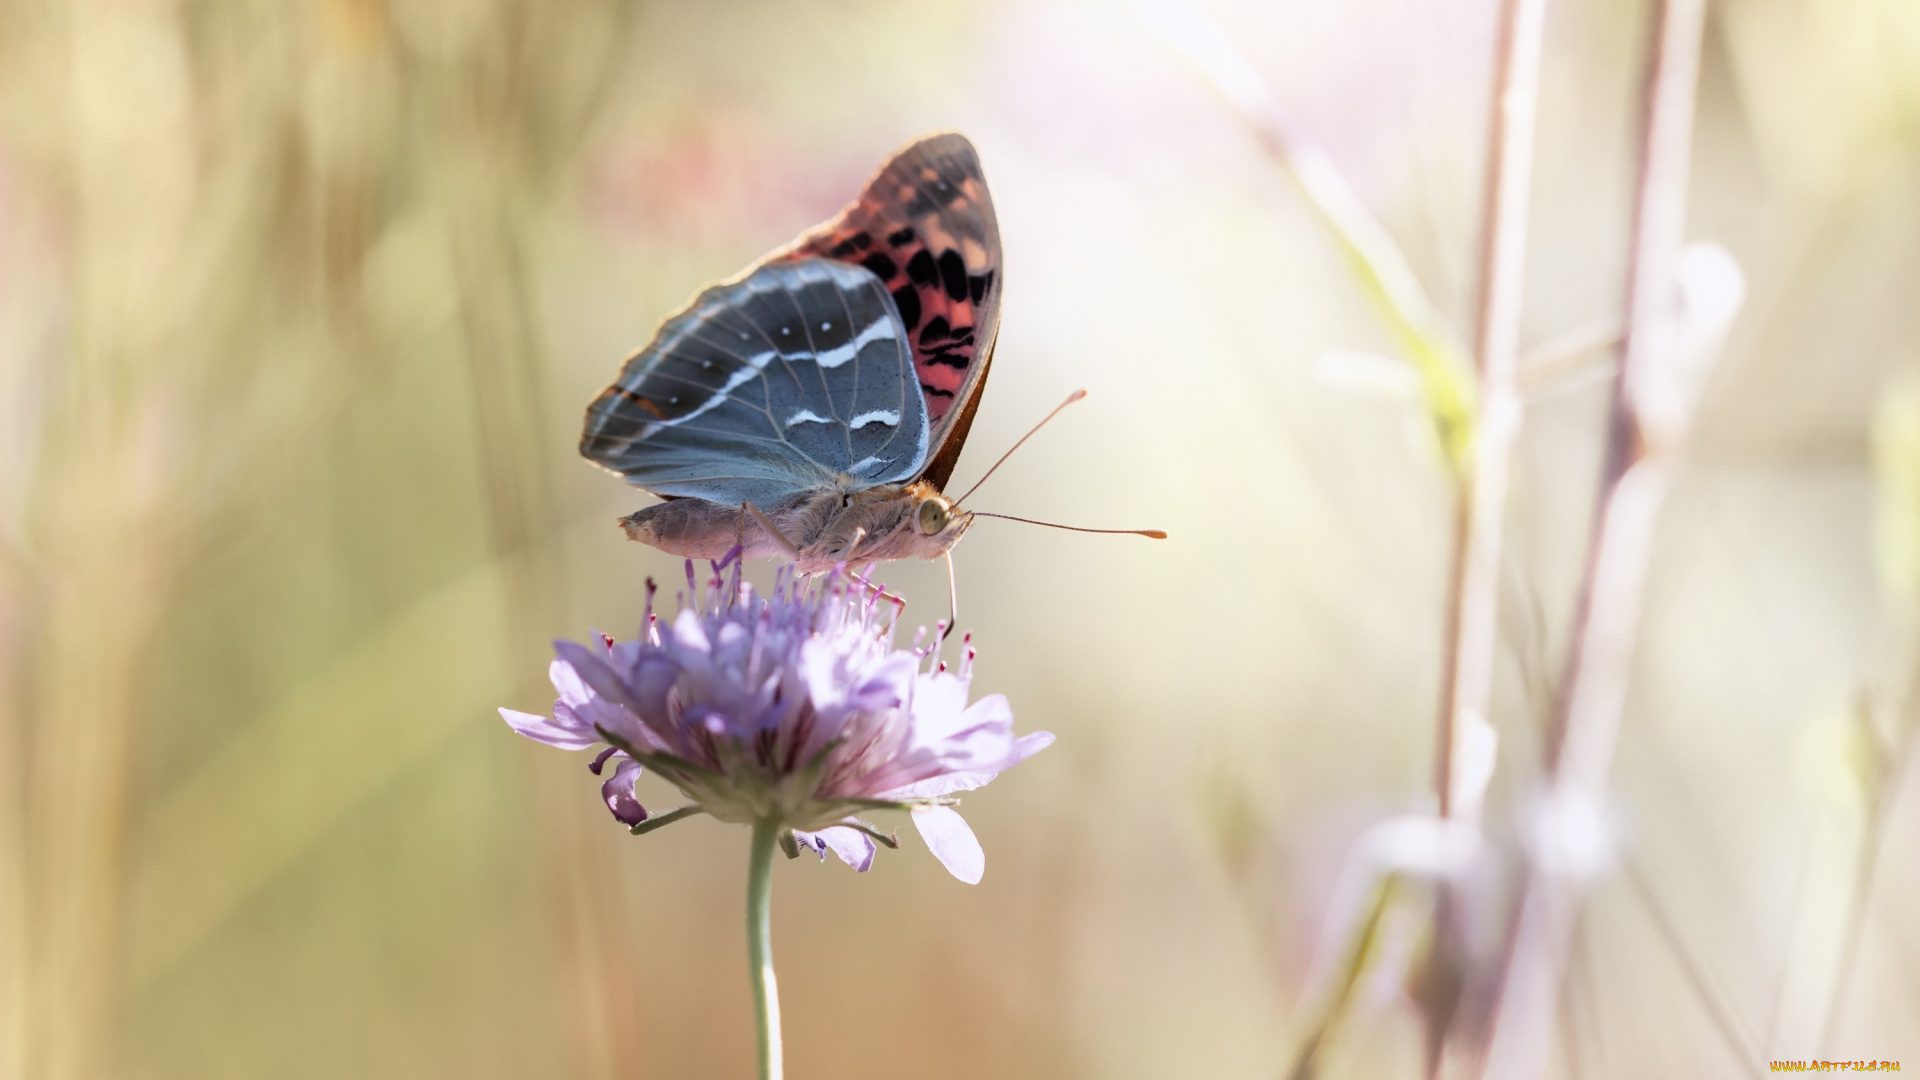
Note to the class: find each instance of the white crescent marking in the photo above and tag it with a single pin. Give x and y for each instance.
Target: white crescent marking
(889, 417)
(833, 358)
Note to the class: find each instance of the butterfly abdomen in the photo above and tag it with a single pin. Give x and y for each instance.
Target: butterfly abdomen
(692, 528)
(827, 528)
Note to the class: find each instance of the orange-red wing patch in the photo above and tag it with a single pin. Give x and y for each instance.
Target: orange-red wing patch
(925, 227)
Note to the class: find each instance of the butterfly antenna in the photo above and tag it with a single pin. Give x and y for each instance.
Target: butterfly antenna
(1154, 534)
(1071, 398)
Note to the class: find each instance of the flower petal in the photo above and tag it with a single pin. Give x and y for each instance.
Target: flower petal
(854, 847)
(732, 644)
(689, 634)
(940, 707)
(541, 729)
(959, 764)
(618, 792)
(594, 672)
(566, 682)
(885, 684)
(1028, 745)
(835, 678)
(653, 678)
(951, 841)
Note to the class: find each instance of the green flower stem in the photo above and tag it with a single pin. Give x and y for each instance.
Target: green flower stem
(766, 996)
(661, 821)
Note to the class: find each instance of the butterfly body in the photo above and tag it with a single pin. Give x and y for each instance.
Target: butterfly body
(825, 527)
(828, 389)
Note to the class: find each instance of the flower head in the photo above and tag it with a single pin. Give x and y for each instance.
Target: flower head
(794, 707)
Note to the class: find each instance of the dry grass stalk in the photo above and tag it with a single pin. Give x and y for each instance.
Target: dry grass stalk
(207, 280)
(1475, 421)
(1652, 404)
(1428, 342)
(1464, 738)
(1473, 635)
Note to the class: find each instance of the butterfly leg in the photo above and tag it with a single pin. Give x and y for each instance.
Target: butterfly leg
(778, 538)
(879, 591)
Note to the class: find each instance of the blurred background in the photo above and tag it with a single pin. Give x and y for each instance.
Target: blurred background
(299, 308)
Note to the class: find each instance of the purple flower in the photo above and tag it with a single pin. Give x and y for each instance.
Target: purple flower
(794, 707)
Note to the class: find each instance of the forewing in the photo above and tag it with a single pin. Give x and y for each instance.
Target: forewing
(925, 228)
(766, 387)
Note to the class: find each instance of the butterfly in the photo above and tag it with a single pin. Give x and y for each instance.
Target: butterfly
(814, 406)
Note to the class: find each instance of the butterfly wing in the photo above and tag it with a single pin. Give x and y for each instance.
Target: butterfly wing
(925, 228)
(767, 386)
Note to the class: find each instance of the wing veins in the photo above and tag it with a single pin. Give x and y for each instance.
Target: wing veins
(813, 350)
(853, 337)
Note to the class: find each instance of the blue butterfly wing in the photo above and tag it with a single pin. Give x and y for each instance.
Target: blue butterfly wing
(795, 377)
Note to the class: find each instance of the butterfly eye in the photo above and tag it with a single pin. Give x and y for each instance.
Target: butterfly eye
(933, 516)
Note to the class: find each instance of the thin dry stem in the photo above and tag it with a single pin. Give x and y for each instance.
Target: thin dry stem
(1739, 1041)
(1587, 348)
(1476, 423)
(1306, 1064)
(1390, 283)
(1893, 764)
(1472, 637)
(1634, 481)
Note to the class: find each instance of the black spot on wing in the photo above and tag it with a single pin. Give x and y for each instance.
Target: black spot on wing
(857, 242)
(936, 329)
(951, 359)
(900, 237)
(978, 285)
(882, 267)
(935, 391)
(953, 272)
(907, 299)
(921, 269)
